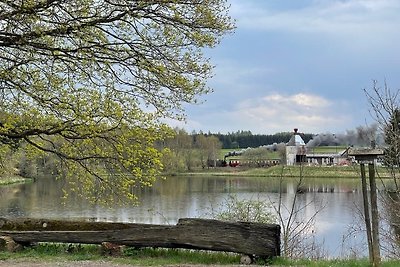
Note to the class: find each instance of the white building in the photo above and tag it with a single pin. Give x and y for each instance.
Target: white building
(295, 149)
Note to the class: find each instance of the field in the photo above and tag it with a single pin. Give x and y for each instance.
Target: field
(293, 171)
(327, 149)
(275, 154)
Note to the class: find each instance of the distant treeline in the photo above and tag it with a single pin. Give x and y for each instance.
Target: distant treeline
(244, 139)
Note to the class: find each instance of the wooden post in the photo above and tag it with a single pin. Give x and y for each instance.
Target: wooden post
(367, 218)
(374, 216)
(369, 155)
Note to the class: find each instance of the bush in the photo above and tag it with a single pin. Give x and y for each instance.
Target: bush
(234, 209)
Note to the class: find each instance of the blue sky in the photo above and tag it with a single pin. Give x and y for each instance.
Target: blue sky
(302, 64)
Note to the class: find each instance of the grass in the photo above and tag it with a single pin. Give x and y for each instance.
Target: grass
(327, 149)
(290, 171)
(275, 154)
(179, 256)
(306, 171)
(294, 171)
(333, 263)
(6, 180)
(53, 252)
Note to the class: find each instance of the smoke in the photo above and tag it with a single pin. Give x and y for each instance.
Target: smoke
(272, 147)
(361, 136)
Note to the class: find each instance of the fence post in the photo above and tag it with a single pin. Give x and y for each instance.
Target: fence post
(374, 216)
(367, 218)
(371, 216)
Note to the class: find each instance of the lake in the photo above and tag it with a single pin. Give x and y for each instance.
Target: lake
(334, 202)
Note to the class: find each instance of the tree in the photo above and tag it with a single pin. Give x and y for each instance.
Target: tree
(385, 109)
(208, 147)
(295, 229)
(181, 152)
(90, 80)
(392, 139)
(256, 156)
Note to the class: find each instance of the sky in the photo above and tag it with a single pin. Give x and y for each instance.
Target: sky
(300, 64)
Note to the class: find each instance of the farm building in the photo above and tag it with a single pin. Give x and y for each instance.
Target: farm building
(297, 152)
(295, 149)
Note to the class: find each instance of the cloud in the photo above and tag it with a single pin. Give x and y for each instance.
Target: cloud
(275, 112)
(338, 18)
(299, 101)
(280, 112)
(319, 53)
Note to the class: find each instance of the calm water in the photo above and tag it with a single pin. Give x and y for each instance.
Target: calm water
(180, 197)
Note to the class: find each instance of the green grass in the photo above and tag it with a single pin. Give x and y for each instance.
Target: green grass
(327, 149)
(311, 171)
(13, 180)
(52, 252)
(290, 171)
(151, 256)
(316, 171)
(224, 151)
(285, 171)
(275, 154)
(333, 263)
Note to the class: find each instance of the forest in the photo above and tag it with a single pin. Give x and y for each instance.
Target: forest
(182, 151)
(244, 139)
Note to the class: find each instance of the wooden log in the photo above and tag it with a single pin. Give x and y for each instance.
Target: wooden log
(257, 239)
(30, 224)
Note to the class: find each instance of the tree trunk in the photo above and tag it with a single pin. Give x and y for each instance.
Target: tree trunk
(241, 237)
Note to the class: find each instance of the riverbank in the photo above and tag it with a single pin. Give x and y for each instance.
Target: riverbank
(289, 172)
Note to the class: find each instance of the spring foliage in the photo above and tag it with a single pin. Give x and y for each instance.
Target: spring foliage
(89, 81)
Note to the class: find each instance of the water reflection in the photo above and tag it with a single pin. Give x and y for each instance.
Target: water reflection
(179, 197)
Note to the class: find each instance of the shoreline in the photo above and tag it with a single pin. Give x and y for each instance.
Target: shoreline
(339, 172)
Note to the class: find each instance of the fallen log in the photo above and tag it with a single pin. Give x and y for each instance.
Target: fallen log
(32, 224)
(262, 240)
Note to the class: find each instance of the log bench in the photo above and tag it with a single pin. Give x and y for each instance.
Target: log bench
(253, 239)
